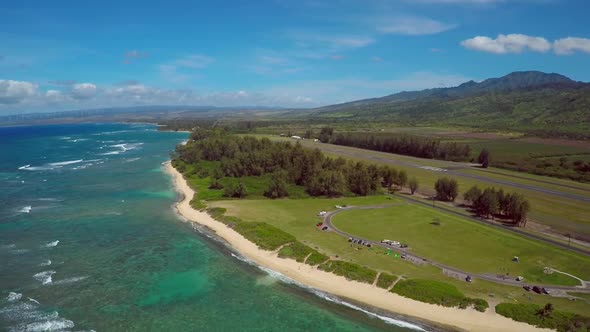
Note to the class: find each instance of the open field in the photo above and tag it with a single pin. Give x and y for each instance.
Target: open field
(464, 244)
(297, 217)
(561, 213)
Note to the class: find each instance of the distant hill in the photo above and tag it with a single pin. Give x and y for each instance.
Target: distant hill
(528, 101)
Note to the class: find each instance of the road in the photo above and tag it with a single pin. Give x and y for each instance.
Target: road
(454, 168)
(446, 268)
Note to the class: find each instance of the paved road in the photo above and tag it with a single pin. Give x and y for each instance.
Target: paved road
(446, 268)
(453, 168)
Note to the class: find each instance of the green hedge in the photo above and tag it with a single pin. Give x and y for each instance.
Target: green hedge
(561, 321)
(385, 280)
(437, 292)
(296, 250)
(264, 235)
(349, 271)
(316, 258)
(299, 251)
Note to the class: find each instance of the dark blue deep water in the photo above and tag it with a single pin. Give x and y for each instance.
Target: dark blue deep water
(89, 241)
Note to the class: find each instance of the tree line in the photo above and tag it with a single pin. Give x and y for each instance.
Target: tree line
(415, 146)
(488, 202)
(287, 164)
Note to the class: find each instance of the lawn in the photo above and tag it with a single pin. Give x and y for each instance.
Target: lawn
(298, 217)
(464, 244)
(562, 214)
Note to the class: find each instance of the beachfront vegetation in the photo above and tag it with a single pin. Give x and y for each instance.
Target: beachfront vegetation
(544, 316)
(385, 280)
(437, 292)
(216, 155)
(350, 271)
(299, 252)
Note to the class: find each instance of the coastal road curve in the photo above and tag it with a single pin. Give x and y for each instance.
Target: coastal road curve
(327, 220)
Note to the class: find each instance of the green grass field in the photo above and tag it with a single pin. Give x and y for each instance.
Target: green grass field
(298, 217)
(464, 244)
(561, 214)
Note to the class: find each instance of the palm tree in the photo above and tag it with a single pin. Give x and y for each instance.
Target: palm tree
(546, 311)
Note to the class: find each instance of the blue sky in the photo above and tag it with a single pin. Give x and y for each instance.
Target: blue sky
(57, 55)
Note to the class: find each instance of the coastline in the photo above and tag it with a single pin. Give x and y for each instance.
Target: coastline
(463, 319)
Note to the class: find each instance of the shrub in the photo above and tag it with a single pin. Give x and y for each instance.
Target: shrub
(429, 291)
(316, 258)
(264, 235)
(350, 271)
(385, 280)
(561, 321)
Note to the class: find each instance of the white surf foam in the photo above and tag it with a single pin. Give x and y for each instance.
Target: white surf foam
(33, 300)
(50, 244)
(68, 280)
(25, 209)
(25, 166)
(45, 277)
(68, 162)
(8, 246)
(285, 279)
(12, 296)
(19, 251)
(59, 324)
(46, 263)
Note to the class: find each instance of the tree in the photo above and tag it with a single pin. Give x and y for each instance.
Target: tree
(235, 190)
(402, 179)
(388, 175)
(546, 311)
(472, 194)
(447, 189)
(486, 204)
(278, 186)
(484, 158)
(413, 185)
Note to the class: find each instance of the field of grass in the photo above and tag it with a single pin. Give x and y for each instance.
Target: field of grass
(298, 217)
(561, 214)
(350, 271)
(464, 244)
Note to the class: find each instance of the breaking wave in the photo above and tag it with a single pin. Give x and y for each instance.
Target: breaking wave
(50, 244)
(12, 296)
(45, 277)
(25, 209)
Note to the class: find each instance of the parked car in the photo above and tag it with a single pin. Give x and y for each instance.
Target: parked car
(468, 279)
(519, 278)
(544, 291)
(527, 288)
(537, 289)
(403, 256)
(403, 245)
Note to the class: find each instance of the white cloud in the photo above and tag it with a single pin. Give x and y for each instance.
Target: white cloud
(570, 45)
(195, 61)
(83, 91)
(512, 43)
(13, 92)
(411, 25)
(298, 94)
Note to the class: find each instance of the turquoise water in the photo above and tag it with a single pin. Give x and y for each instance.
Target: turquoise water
(88, 241)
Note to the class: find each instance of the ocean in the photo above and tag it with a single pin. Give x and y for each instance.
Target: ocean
(89, 241)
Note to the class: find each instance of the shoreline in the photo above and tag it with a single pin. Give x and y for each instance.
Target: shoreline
(372, 296)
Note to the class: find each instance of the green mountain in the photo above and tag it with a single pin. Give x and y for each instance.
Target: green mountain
(528, 101)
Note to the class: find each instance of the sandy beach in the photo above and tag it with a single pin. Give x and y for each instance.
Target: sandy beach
(464, 319)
